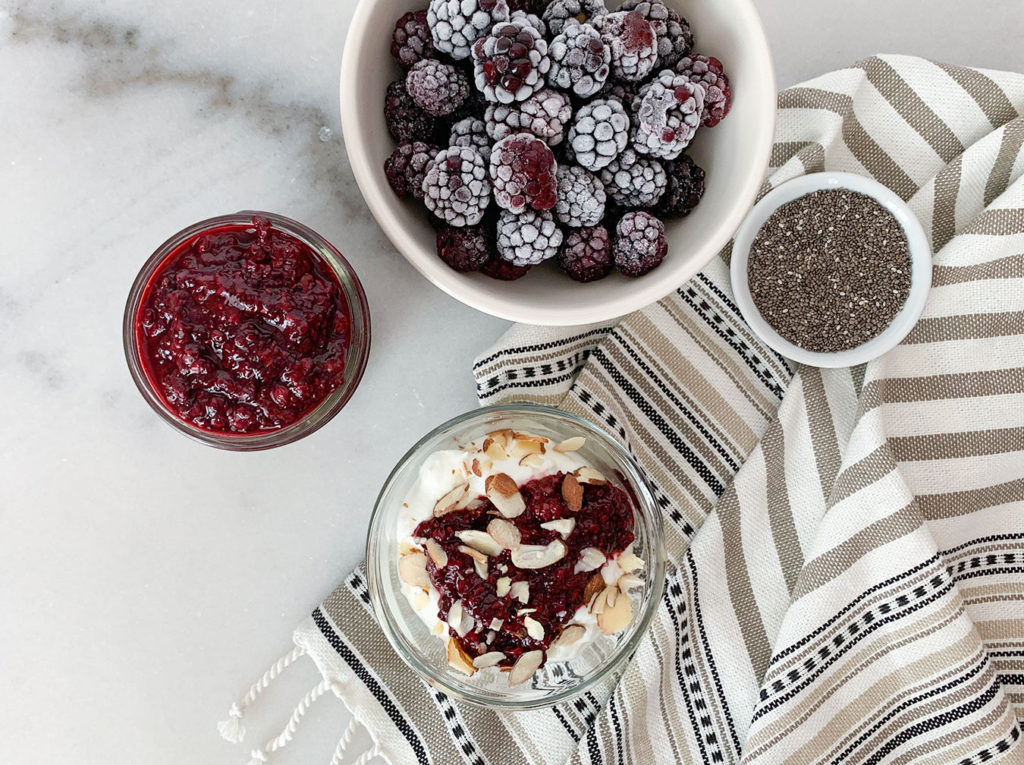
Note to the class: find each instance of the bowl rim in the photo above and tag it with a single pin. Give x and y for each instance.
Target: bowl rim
(920, 268)
(459, 286)
(656, 559)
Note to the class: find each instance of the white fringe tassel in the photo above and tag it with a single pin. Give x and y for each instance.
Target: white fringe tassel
(346, 739)
(282, 739)
(232, 728)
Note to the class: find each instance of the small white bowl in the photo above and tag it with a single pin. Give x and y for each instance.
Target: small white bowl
(734, 153)
(920, 268)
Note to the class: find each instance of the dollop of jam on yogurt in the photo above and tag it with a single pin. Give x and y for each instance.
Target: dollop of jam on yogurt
(243, 329)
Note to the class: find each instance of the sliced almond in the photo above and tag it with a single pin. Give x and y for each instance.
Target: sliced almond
(407, 547)
(468, 500)
(520, 591)
(529, 437)
(532, 460)
(476, 467)
(476, 555)
(480, 540)
(420, 599)
(570, 444)
(501, 483)
(611, 595)
(600, 602)
(455, 617)
(628, 582)
(539, 556)
(448, 502)
(616, 615)
(496, 623)
(494, 450)
(480, 568)
(629, 561)
(438, 628)
(489, 637)
(412, 569)
(437, 553)
(521, 448)
(488, 659)
(503, 437)
(525, 666)
(525, 611)
(504, 584)
(591, 559)
(533, 628)
(570, 635)
(594, 586)
(572, 492)
(504, 534)
(504, 494)
(588, 474)
(459, 659)
(562, 526)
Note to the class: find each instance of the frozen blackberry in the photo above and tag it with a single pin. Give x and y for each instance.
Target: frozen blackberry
(523, 171)
(411, 41)
(456, 188)
(709, 73)
(406, 121)
(640, 243)
(633, 182)
(581, 197)
(666, 114)
(437, 88)
(561, 13)
(545, 114)
(623, 92)
(470, 132)
(456, 24)
(587, 254)
(509, 64)
(529, 238)
(496, 268)
(532, 19)
(464, 249)
(685, 188)
(675, 39)
(407, 167)
(632, 41)
(599, 132)
(580, 61)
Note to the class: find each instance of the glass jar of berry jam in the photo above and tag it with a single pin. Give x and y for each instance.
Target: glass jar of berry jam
(247, 331)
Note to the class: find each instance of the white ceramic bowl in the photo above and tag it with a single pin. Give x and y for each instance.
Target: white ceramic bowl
(735, 155)
(920, 262)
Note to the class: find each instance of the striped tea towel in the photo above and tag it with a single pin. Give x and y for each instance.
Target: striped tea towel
(846, 546)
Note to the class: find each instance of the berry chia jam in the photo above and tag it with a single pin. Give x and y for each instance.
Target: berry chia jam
(244, 329)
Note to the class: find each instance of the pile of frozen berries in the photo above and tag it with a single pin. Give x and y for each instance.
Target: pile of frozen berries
(559, 136)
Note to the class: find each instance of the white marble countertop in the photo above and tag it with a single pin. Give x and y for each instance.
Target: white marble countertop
(145, 580)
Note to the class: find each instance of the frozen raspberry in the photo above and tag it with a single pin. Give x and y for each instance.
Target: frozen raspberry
(509, 64)
(587, 254)
(709, 73)
(406, 121)
(464, 249)
(496, 268)
(685, 188)
(632, 41)
(640, 244)
(580, 61)
(411, 41)
(470, 132)
(457, 24)
(523, 171)
(581, 197)
(407, 167)
(632, 181)
(529, 238)
(674, 36)
(561, 13)
(546, 114)
(437, 88)
(666, 114)
(456, 188)
(599, 132)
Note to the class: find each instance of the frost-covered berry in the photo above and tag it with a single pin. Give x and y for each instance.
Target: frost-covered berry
(529, 238)
(457, 24)
(464, 249)
(675, 39)
(405, 120)
(666, 114)
(580, 61)
(685, 188)
(562, 13)
(437, 88)
(632, 41)
(640, 245)
(509, 64)
(523, 172)
(532, 19)
(632, 181)
(456, 188)
(623, 92)
(411, 41)
(407, 167)
(546, 114)
(496, 268)
(581, 197)
(708, 72)
(586, 255)
(470, 132)
(599, 132)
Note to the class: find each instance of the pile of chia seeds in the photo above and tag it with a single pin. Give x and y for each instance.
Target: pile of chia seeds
(830, 270)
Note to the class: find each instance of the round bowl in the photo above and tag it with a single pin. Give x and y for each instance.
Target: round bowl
(920, 264)
(425, 652)
(355, 362)
(735, 155)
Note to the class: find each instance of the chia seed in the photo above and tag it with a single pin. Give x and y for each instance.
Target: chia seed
(830, 270)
